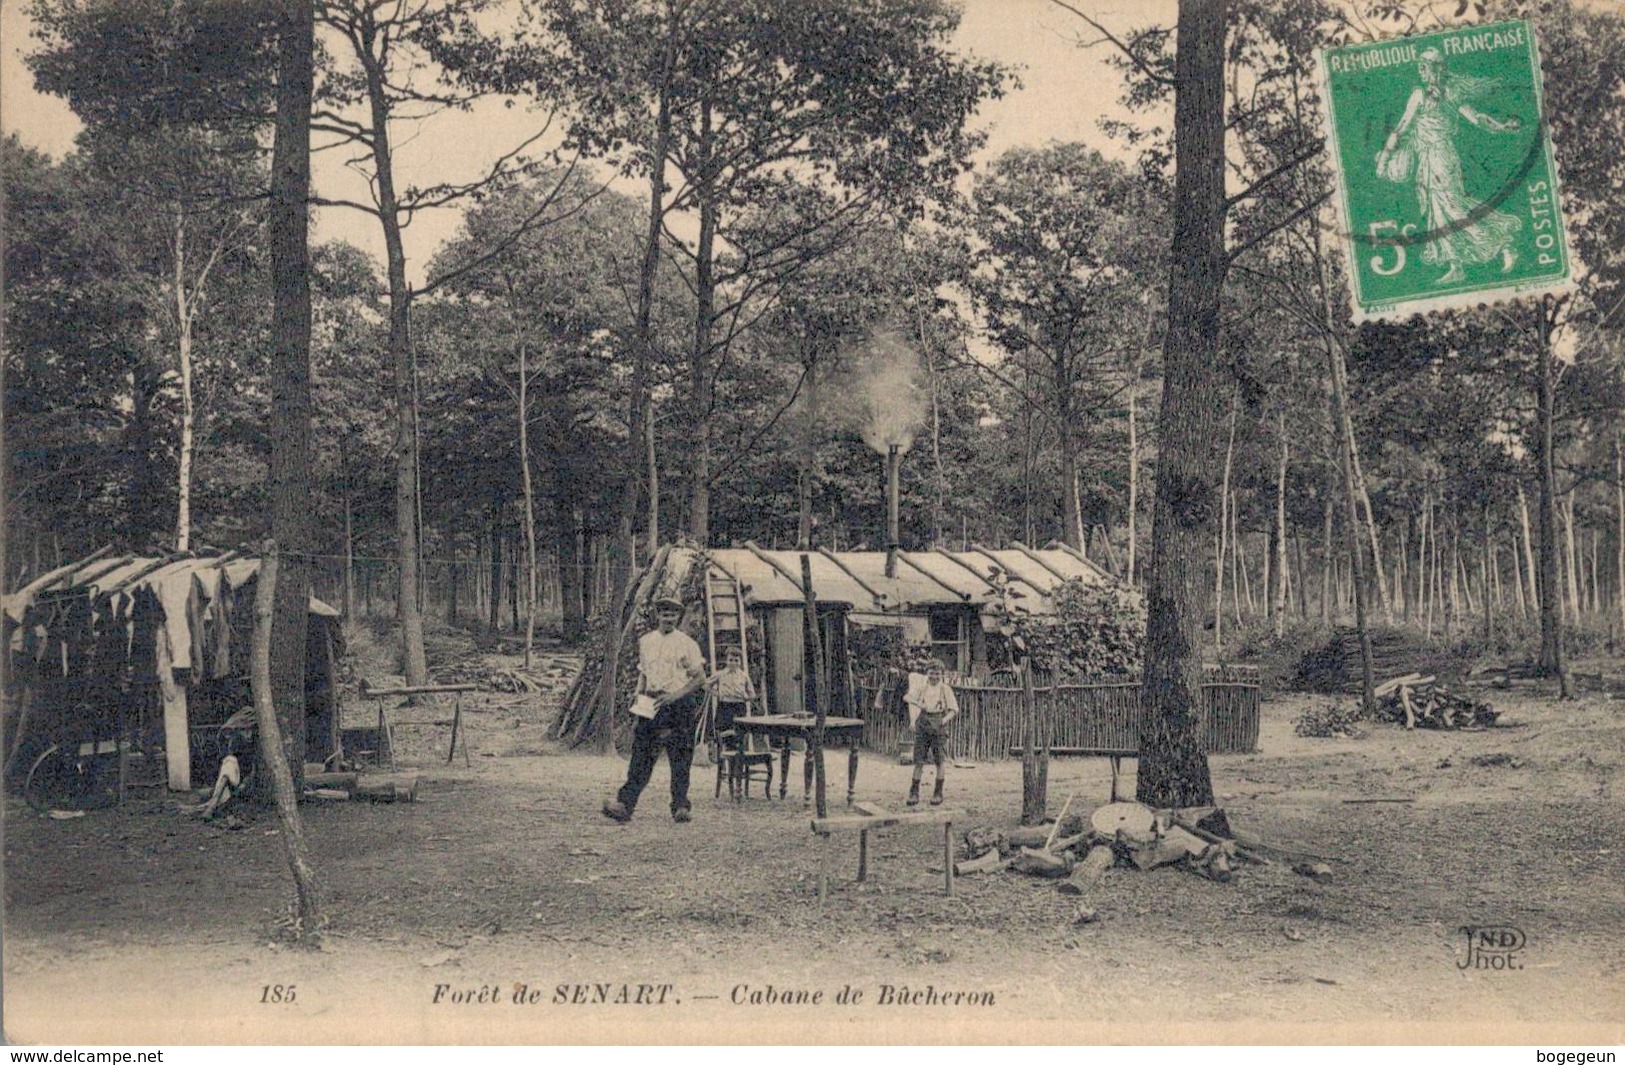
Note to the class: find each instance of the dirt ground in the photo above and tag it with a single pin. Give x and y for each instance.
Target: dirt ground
(139, 925)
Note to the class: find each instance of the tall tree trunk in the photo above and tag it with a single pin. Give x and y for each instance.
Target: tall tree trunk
(1486, 562)
(183, 359)
(1551, 624)
(1370, 526)
(408, 606)
(277, 766)
(1571, 561)
(1619, 530)
(348, 488)
(620, 560)
(1326, 572)
(704, 367)
(567, 550)
(1224, 528)
(1133, 475)
(809, 453)
(1278, 547)
(1072, 498)
(1348, 456)
(530, 500)
(493, 621)
(282, 599)
(651, 468)
(1173, 770)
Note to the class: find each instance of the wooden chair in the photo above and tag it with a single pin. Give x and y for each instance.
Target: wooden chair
(741, 758)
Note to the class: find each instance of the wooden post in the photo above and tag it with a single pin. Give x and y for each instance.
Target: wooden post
(815, 644)
(948, 856)
(1034, 770)
(307, 906)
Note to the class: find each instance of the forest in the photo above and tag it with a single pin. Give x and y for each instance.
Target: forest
(1008, 309)
(746, 246)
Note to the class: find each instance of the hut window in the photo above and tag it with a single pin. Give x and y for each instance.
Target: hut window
(950, 638)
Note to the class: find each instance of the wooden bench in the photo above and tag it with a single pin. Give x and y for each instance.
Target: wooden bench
(1116, 754)
(872, 816)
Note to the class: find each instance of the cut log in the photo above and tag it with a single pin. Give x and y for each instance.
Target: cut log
(1037, 835)
(1035, 862)
(987, 863)
(387, 788)
(1094, 866)
(343, 781)
(1409, 680)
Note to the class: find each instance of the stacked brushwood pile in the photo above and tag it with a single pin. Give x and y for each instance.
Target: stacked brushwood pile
(1418, 701)
(670, 573)
(1334, 667)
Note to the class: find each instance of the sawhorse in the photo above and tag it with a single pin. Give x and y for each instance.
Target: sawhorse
(386, 734)
(872, 816)
(1116, 754)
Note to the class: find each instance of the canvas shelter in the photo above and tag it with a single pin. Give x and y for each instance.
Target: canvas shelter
(152, 651)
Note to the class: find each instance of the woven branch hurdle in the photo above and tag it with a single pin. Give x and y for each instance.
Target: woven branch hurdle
(1102, 715)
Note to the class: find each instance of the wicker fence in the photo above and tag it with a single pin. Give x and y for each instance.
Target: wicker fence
(1104, 715)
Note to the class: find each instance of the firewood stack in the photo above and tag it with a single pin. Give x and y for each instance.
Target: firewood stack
(1418, 701)
(1334, 667)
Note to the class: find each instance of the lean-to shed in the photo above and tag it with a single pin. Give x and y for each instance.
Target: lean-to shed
(151, 652)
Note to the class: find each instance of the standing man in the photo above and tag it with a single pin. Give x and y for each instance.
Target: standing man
(670, 674)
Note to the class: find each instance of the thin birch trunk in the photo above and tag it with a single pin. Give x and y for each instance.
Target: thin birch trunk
(183, 354)
(1531, 571)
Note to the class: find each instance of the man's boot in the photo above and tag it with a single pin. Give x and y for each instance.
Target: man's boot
(914, 792)
(936, 793)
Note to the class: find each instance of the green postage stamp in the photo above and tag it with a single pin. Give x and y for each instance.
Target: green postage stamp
(1446, 186)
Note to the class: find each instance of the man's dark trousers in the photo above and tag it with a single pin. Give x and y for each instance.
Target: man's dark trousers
(672, 727)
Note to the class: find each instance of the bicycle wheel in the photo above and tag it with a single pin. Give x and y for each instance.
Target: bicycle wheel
(53, 780)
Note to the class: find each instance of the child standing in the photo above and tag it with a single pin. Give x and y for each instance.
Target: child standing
(735, 693)
(931, 705)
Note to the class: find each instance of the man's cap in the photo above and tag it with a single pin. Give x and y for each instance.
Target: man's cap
(667, 602)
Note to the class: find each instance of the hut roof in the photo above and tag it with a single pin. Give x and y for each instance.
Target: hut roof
(1018, 578)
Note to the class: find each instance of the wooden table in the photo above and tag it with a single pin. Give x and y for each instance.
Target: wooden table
(838, 732)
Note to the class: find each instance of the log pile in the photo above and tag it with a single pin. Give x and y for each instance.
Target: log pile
(1334, 667)
(1331, 720)
(1418, 701)
(1121, 834)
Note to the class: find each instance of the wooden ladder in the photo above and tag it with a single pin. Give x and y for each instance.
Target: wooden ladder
(724, 609)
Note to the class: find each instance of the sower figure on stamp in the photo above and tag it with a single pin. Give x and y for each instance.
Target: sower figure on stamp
(1462, 231)
(670, 673)
(931, 705)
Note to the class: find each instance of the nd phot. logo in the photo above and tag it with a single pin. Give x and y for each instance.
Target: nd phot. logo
(1497, 947)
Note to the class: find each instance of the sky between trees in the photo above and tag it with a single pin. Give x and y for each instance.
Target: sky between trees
(1065, 90)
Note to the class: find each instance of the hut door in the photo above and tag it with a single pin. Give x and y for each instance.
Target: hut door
(786, 651)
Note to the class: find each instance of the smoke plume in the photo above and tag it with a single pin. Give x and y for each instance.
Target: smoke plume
(888, 406)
